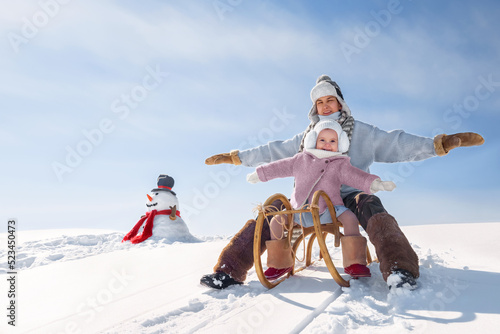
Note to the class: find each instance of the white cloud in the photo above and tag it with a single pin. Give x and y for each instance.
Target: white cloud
(114, 33)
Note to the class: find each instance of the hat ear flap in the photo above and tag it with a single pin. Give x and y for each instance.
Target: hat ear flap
(343, 142)
(313, 114)
(310, 140)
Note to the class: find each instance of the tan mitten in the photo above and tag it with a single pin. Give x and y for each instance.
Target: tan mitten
(224, 158)
(444, 143)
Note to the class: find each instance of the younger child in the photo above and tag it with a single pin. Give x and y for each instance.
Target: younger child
(321, 166)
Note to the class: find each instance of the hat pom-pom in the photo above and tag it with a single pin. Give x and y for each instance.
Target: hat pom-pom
(323, 77)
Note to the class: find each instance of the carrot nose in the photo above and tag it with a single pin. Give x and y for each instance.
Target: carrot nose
(149, 197)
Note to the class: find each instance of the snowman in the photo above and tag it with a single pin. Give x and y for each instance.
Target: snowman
(163, 219)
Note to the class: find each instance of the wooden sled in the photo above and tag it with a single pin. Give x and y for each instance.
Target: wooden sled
(314, 231)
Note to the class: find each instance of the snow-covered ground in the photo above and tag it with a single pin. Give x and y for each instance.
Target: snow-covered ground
(87, 281)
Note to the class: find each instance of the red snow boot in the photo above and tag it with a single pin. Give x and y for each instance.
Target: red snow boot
(273, 273)
(358, 270)
(354, 256)
(279, 259)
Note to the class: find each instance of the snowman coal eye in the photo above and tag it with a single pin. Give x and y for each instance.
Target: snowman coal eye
(157, 194)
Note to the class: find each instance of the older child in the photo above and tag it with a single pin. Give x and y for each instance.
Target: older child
(321, 166)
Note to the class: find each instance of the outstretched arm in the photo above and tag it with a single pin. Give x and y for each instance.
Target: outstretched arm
(273, 170)
(253, 157)
(399, 146)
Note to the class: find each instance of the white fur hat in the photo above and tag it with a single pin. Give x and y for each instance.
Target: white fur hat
(323, 88)
(312, 136)
(326, 87)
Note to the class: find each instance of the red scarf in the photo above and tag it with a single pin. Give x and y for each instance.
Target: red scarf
(148, 228)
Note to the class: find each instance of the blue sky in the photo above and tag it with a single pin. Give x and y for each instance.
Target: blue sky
(99, 98)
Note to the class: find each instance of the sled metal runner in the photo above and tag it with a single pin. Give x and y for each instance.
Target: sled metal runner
(312, 232)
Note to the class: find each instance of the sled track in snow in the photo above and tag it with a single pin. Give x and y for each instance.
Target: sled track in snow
(293, 306)
(246, 308)
(239, 309)
(317, 311)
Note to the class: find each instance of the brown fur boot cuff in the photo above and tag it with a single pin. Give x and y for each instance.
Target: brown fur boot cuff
(237, 257)
(392, 248)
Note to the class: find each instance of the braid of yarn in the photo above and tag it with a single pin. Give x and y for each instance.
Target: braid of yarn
(347, 123)
(309, 128)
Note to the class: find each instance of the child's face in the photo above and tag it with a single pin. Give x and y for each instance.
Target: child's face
(328, 140)
(327, 105)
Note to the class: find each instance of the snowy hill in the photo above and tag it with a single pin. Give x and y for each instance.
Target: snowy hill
(87, 281)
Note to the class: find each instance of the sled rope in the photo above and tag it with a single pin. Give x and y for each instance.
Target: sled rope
(267, 210)
(307, 207)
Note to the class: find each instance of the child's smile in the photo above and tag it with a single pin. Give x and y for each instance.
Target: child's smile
(327, 140)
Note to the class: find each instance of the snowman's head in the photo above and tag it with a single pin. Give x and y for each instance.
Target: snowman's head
(161, 200)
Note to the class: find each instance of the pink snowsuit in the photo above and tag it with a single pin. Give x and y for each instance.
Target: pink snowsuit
(312, 173)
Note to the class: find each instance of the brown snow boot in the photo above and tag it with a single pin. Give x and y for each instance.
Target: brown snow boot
(393, 250)
(354, 256)
(237, 257)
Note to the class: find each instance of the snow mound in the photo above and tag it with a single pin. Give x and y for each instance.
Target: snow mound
(67, 247)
